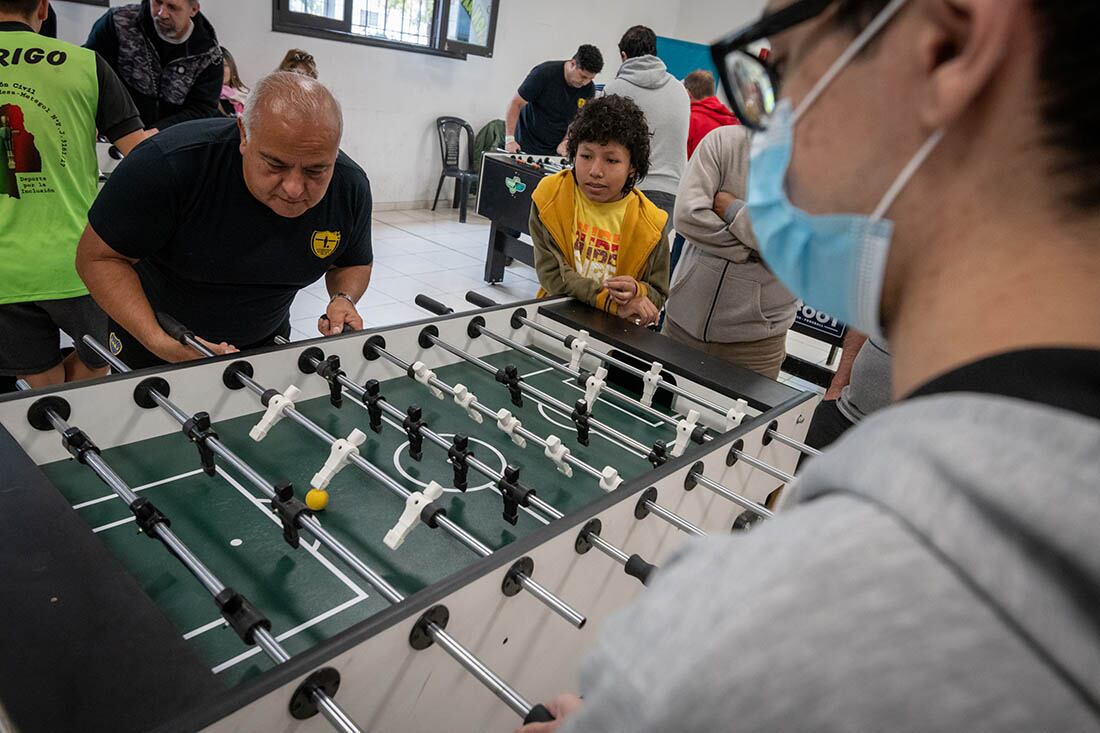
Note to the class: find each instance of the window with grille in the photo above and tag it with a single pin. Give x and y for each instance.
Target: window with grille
(449, 27)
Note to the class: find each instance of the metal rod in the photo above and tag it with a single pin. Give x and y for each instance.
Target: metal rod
(608, 549)
(633, 445)
(801, 447)
(474, 666)
(477, 405)
(177, 548)
(736, 498)
(627, 399)
(674, 519)
(765, 467)
(659, 511)
(314, 528)
(699, 400)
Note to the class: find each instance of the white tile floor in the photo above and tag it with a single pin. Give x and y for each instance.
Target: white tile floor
(420, 251)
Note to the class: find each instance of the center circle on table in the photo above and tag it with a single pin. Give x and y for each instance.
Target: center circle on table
(404, 447)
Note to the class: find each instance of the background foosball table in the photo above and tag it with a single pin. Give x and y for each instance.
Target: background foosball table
(504, 198)
(497, 483)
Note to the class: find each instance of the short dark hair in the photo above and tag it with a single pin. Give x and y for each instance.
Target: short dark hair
(21, 7)
(700, 84)
(1069, 99)
(589, 58)
(638, 41)
(614, 119)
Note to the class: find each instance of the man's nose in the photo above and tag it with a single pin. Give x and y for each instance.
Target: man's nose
(294, 185)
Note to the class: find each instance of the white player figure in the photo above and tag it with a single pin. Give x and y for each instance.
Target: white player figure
(736, 414)
(650, 381)
(414, 505)
(684, 429)
(465, 399)
(276, 410)
(594, 386)
(510, 425)
(557, 452)
(424, 375)
(341, 453)
(577, 348)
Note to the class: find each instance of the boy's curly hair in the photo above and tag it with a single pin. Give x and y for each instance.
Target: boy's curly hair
(614, 119)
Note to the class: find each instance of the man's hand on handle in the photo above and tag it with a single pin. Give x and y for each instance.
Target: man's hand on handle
(561, 707)
(173, 351)
(340, 312)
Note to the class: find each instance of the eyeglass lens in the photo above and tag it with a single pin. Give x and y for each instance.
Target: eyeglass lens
(752, 88)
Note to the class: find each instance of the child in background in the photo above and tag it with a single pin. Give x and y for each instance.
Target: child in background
(299, 62)
(234, 92)
(598, 238)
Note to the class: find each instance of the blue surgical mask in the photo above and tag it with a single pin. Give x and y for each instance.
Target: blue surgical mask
(834, 263)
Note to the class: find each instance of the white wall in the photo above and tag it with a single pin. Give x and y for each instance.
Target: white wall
(704, 21)
(391, 98)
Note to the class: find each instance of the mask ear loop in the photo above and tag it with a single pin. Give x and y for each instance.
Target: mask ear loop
(906, 175)
(845, 58)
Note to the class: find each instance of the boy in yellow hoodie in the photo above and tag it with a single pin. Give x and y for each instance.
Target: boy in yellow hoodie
(597, 237)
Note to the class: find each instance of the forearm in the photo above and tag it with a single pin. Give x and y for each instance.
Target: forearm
(853, 342)
(352, 281)
(115, 286)
(511, 119)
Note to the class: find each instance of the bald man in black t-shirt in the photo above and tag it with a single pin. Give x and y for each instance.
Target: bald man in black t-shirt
(219, 224)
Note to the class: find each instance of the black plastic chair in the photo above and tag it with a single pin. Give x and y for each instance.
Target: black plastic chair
(450, 146)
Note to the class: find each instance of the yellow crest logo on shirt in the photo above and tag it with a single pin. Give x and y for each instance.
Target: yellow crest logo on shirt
(581, 102)
(325, 243)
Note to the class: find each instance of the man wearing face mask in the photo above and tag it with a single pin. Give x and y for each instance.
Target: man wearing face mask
(936, 569)
(219, 224)
(167, 54)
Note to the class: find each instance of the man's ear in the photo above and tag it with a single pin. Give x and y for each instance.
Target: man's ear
(962, 45)
(195, 7)
(44, 10)
(244, 134)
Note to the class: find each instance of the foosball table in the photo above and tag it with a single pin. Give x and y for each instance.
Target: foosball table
(504, 191)
(414, 528)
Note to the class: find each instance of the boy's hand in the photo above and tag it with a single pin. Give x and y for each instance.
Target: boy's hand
(623, 288)
(641, 311)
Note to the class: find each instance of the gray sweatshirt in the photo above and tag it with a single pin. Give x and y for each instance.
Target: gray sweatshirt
(667, 108)
(721, 292)
(941, 573)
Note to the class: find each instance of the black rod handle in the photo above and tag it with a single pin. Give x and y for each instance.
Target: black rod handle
(638, 568)
(539, 714)
(480, 300)
(174, 328)
(433, 305)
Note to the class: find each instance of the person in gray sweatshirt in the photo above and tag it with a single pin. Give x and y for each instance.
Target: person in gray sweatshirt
(724, 300)
(645, 79)
(938, 568)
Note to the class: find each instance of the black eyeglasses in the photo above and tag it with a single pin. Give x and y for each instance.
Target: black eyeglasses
(750, 84)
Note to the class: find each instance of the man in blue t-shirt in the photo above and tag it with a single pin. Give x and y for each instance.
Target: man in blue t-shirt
(219, 224)
(548, 100)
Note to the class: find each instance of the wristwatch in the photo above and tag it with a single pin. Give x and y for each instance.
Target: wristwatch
(345, 296)
(509, 139)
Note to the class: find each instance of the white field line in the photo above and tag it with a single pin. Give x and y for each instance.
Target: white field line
(163, 481)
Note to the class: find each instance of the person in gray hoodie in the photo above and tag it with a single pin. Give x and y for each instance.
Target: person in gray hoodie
(645, 79)
(723, 300)
(937, 569)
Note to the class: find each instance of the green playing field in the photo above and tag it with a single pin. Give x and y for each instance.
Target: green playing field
(308, 594)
